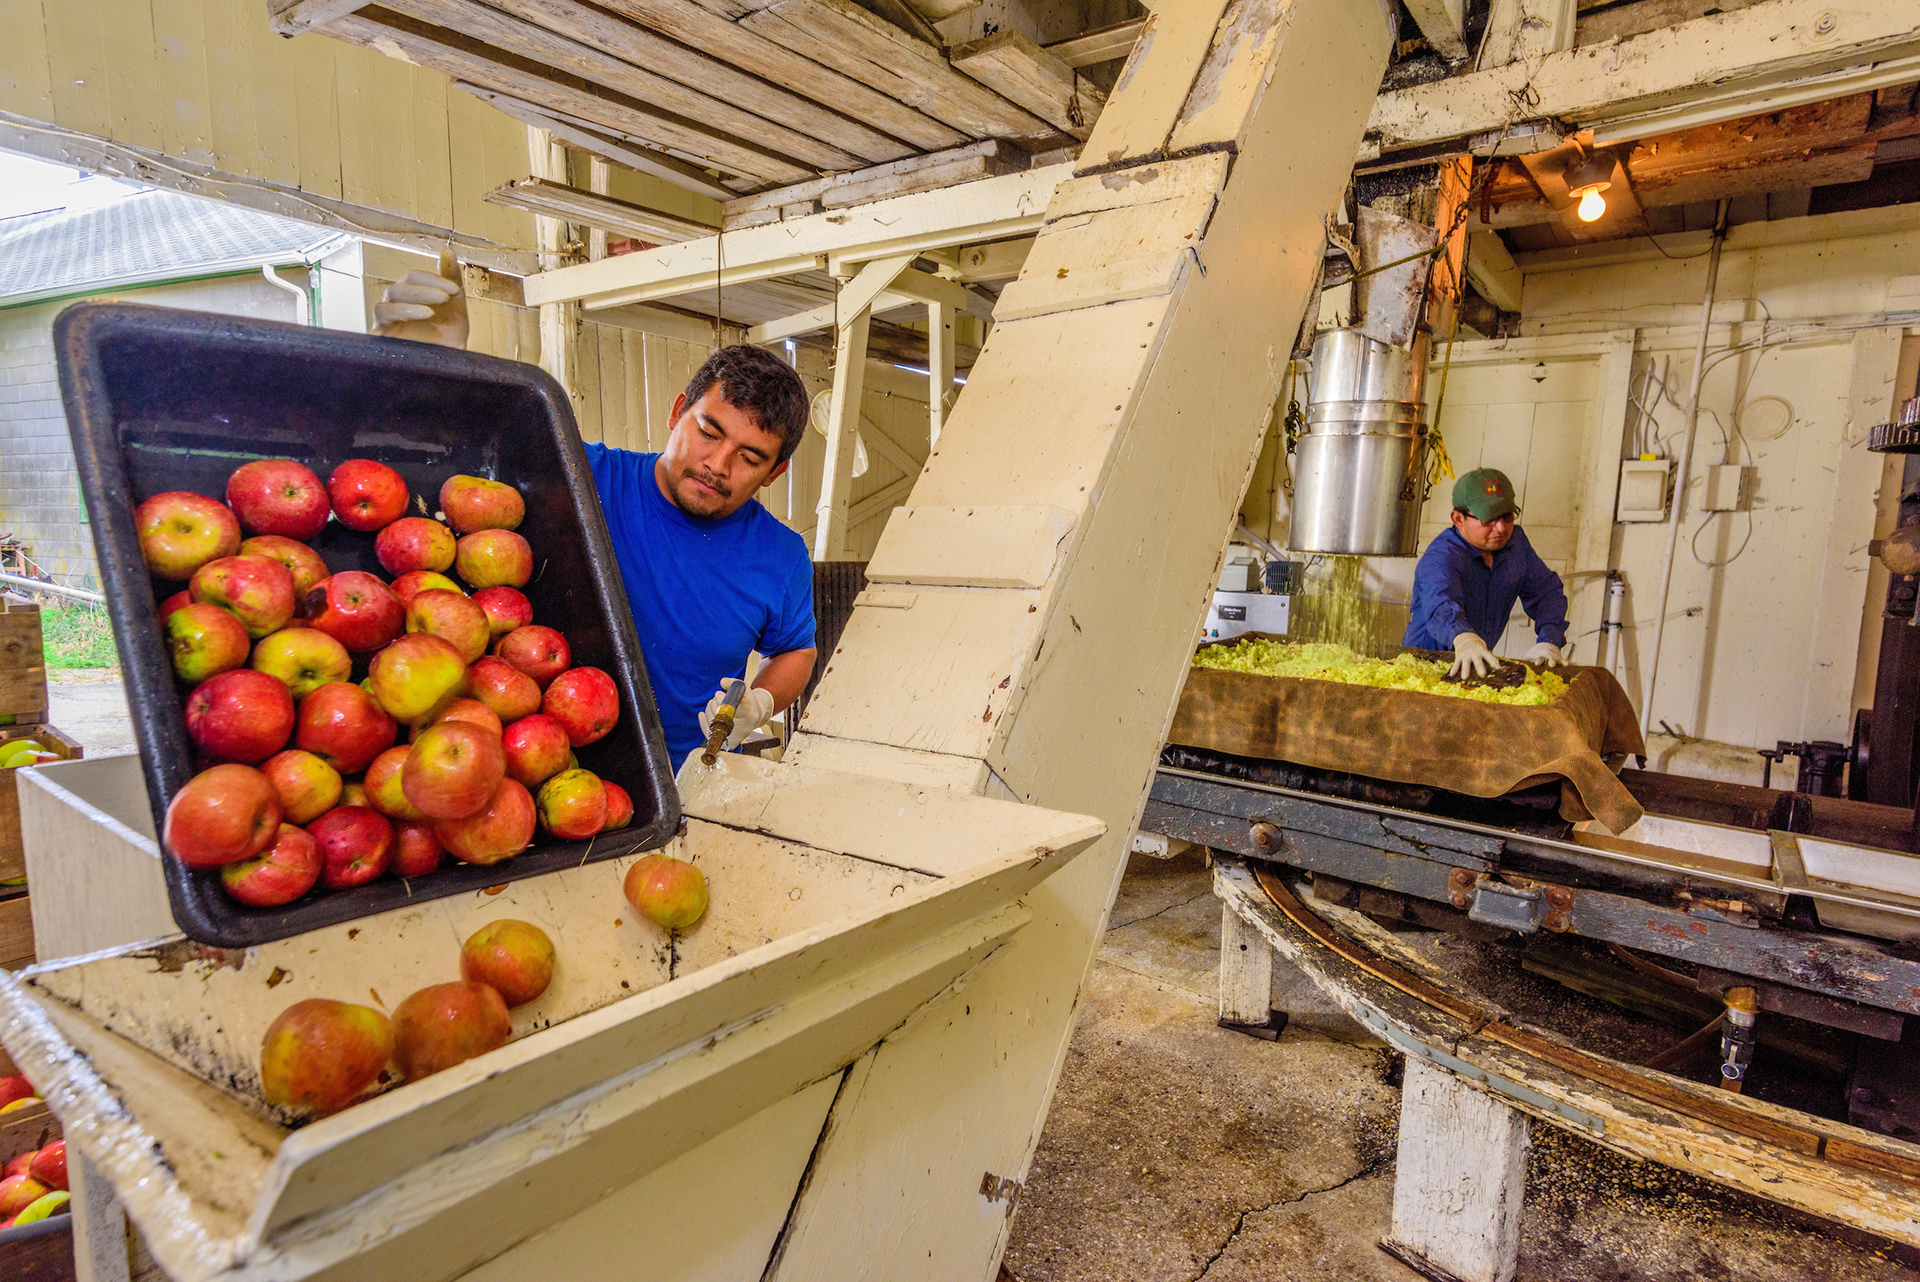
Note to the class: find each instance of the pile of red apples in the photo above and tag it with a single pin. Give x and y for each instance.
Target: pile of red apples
(459, 741)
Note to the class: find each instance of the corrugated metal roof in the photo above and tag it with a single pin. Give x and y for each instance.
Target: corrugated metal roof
(147, 236)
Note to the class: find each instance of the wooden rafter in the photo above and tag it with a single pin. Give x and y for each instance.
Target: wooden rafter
(556, 200)
(577, 133)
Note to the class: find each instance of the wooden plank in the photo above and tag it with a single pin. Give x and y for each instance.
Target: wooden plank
(1751, 140)
(1025, 74)
(1246, 972)
(985, 159)
(78, 64)
(291, 17)
(578, 134)
(633, 45)
(463, 59)
(940, 389)
(841, 35)
(1159, 72)
(1103, 45)
(1521, 29)
(701, 27)
(181, 41)
(1461, 1176)
(975, 547)
(1735, 177)
(276, 100)
(16, 932)
(538, 195)
(13, 862)
(732, 104)
(1442, 22)
(26, 74)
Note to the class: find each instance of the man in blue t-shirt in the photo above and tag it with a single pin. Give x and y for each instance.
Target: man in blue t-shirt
(1468, 579)
(710, 575)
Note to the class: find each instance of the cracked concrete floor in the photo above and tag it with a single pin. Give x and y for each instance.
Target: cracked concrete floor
(1177, 1151)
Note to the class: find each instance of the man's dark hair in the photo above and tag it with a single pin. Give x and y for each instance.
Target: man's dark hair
(757, 381)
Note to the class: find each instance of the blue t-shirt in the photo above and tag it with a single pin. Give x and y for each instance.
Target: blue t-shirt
(1454, 591)
(703, 593)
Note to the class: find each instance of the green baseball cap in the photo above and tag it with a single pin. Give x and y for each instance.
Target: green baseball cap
(1485, 493)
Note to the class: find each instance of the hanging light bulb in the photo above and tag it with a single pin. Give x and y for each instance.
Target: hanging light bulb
(1585, 182)
(1592, 205)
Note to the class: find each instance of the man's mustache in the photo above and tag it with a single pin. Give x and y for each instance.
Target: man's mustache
(708, 478)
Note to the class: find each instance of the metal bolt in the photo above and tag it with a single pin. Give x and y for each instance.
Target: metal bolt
(1265, 836)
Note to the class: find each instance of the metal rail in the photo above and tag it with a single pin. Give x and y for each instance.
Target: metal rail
(58, 589)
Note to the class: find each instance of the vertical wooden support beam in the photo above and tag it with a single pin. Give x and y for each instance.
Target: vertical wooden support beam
(99, 1224)
(1443, 23)
(836, 473)
(1462, 1177)
(1246, 971)
(599, 179)
(940, 390)
(1525, 31)
(559, 322)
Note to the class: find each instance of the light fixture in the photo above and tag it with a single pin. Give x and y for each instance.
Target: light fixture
(1585, 182)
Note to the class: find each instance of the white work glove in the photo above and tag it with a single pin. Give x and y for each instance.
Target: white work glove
(1546, 652)
(425, 307)
(748, 717)
(1471, 658)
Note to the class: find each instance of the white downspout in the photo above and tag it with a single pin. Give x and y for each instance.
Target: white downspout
(1686, 460)
(305, 312)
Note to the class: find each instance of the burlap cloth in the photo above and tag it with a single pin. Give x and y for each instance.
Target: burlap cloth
(1481, 749)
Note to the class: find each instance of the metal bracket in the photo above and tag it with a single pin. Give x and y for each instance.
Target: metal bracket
(1520, 904)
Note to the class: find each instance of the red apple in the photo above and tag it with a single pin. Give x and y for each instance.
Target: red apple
(416, 851)
(320, 1054)
(448, 1024)
(277, 875)
(22, 1165)
(540, 652)
(472, 503)
(15, 1086)
(304, 658)
(408, 585)
(667, 891)
(204, 641)
(356, 845)
(415, 675)
(511, 693)
(382, 783)
(536, 749)
(453, 769)
(180, 532)
(174, 602)
(18, 1192)
(506, 609)
(414, 543)
(278, 496)
(49, 1165)
(572, 805)
(356, 609)
(367, 495)
(502, 829)
(253, 589)
(453, 618)
(222, 815)
(242, 715)
(619, 806)
(493, 557)
(585, 702)
(470, 710)
(342, 725)
(302, 562)
(307, 786)
(514, 958)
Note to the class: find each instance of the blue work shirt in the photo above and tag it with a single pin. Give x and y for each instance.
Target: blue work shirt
(1454, 591)
(703, 593)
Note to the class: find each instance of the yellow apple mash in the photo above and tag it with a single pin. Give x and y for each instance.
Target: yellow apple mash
(1319, 661)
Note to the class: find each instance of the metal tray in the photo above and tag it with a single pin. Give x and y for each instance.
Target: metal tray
(159, 399)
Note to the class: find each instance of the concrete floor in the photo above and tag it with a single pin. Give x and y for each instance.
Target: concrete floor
(1177, 1151)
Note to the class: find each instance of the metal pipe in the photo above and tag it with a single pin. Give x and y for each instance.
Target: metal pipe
(1610, 646)
(58, 589)
(306, 311)
(1686, 460)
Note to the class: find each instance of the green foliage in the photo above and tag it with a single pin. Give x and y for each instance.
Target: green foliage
(77, 636)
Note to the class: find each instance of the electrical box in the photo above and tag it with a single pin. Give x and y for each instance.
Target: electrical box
(1726, 489)
(1233, 613)
(1643, 489)
(1240, 574)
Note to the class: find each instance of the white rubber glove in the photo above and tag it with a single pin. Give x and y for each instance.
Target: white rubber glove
(1471, 658)
(425, 307)
(752, 713)
(1548, 653)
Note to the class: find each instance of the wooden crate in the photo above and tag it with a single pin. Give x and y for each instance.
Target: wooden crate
(13, 859)
(23, 665)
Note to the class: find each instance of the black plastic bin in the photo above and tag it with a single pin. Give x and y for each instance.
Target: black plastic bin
(159, 400)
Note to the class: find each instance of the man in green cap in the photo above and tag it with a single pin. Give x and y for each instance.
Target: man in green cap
(1468, 579)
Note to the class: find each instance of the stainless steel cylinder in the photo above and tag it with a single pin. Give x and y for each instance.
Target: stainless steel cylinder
(1358, 469)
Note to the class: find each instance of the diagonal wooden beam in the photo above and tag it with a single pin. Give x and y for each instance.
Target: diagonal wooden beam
(557, 200)
(576, 133)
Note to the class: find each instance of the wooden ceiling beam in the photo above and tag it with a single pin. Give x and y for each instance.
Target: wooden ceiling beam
(609, 213)
(985, 159)
(463, 59)
(1025, 74)
(575, 133)
(504, 33)
(1092, 48)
